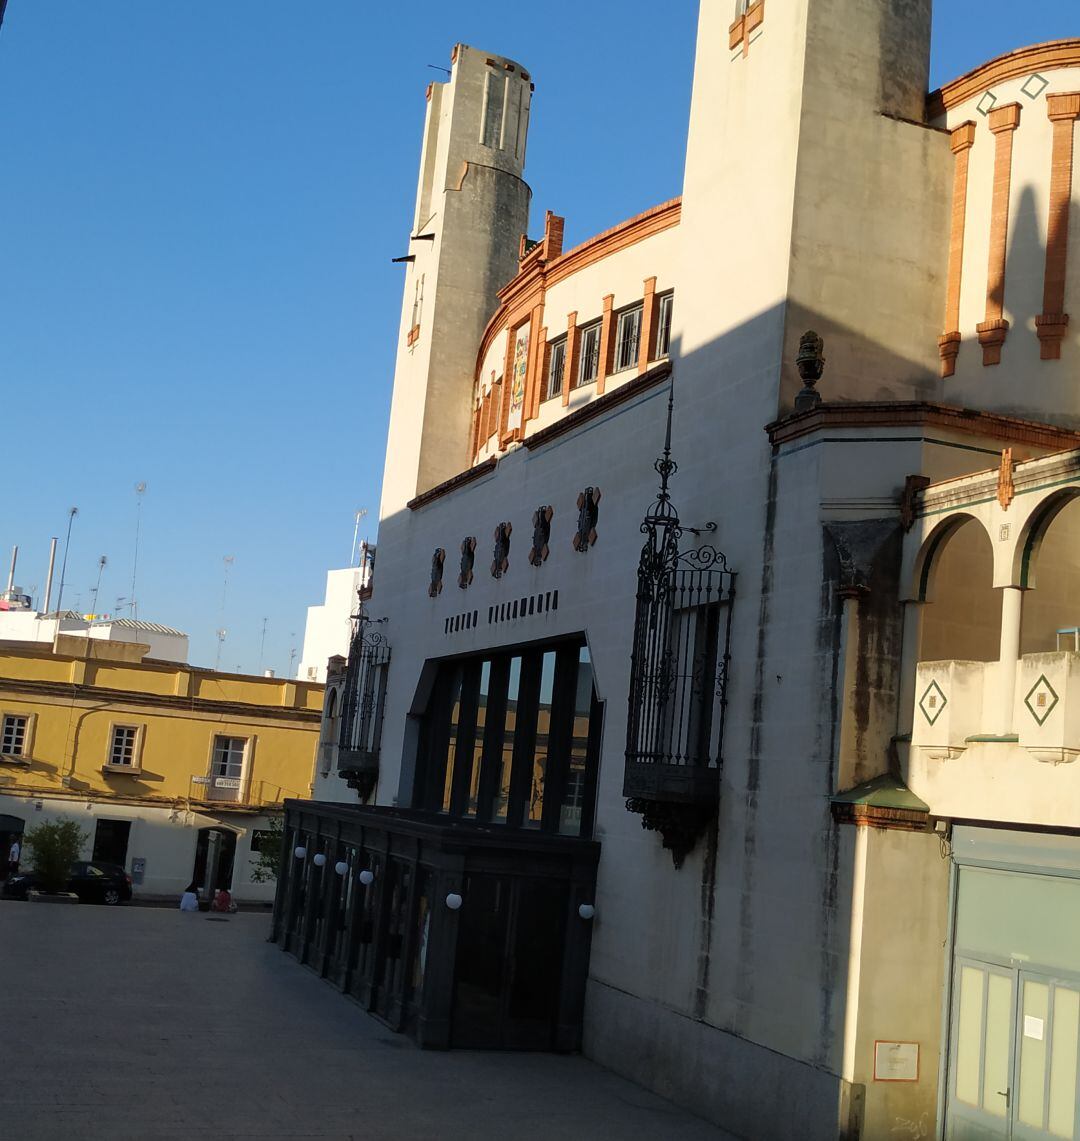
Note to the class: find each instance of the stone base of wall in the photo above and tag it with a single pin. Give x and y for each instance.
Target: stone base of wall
(742, 1087)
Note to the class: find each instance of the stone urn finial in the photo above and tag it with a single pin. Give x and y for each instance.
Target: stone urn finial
(811, 364)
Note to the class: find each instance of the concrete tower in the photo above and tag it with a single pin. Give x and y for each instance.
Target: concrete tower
(471, 209)
(816, 196)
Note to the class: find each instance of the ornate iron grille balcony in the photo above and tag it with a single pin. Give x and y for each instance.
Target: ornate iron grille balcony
(678, 676)
(362, 708)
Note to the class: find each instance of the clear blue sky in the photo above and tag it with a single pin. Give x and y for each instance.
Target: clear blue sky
(199, 205)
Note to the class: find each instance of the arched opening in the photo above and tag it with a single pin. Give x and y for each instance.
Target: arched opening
(331, 704)
(1050, 568)
(11, 829)
(215, 854)
(962, 616)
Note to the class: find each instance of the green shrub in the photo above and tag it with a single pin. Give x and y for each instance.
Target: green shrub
(55, 845)
(266, 860)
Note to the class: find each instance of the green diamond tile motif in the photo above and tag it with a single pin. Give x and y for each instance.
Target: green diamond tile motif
(1041, 700)
(933, 702)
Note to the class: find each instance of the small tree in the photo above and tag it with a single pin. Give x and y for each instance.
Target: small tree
(56, 845)
(265, 864)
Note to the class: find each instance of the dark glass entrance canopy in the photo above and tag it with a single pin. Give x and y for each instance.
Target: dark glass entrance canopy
(458, 933)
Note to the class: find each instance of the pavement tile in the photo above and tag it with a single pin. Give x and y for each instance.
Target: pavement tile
(150, 1024)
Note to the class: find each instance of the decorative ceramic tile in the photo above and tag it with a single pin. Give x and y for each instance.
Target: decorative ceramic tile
(986, 104)
(1041, 700)
(1035, 86)
(933, 702)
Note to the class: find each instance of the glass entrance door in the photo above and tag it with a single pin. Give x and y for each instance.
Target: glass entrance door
(509, 962)
(1013, 1055)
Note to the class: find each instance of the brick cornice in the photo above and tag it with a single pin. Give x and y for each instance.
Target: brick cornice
(920, 414)
(523, 293)
(962, 138)
(1014, 65)
(1006, 118)
(1063, 106)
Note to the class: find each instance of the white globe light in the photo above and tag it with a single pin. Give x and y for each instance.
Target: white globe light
(586, 911)
(454, 901)
(300, 853)
(341, 867)
(320, 859)
(366, 877)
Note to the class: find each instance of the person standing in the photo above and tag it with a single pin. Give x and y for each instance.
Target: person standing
(14, 855)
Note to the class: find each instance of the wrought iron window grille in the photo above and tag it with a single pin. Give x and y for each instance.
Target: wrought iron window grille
(363, 702)
(678, 675)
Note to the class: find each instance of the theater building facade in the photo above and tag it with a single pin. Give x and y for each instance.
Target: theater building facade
(713, 708)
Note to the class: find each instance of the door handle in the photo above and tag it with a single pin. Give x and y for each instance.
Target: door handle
(1005, 1094)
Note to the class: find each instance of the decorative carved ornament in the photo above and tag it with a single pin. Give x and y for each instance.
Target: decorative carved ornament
(588, 503)
(500, 562)
(914, 485)
(437, 561)
(810, 361)
(680, 825)
(468, 557)
(1006, 489)
(542, 517)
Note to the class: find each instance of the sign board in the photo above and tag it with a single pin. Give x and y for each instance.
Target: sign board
(200, 780)
(226, 782)
(896, 1061)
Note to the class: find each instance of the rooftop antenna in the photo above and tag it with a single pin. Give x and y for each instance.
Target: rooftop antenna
(356, 533)
(292, 653)
(227, 561)
(140, 491)
(72, 512)
(262, 645)
(49, 577)
(221, 635)
(100, 571)
(11, 573)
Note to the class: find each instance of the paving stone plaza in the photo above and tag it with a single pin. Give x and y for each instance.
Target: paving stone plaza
(148, 1023)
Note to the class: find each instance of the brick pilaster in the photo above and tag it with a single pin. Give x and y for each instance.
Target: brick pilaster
(994, 330)
(650, 314)
(607, 344)
(570, 362)
(1051, 324)
(963, 138)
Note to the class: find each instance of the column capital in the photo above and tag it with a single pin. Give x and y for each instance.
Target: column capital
(962, 138)
(1063, 107)
(1005, 118)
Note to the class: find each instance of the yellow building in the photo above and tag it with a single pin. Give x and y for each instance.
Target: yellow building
(171, 770)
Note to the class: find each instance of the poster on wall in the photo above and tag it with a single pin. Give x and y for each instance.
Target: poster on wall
(896, 1061)
(517, 379)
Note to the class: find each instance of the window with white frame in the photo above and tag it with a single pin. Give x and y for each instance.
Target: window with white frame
(556, 368)
(627, 338)
(14, 735)
(228, 758)
(589, 367)
(124, 746)
(663, 331)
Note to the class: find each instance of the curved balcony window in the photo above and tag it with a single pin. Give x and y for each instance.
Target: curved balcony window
(513, 738)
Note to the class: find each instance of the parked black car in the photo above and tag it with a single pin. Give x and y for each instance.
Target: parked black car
(91, 881)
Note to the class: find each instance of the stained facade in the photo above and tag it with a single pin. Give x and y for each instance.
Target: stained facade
(769, 747)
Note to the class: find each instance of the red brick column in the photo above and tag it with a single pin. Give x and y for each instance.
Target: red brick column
(994, 330)
(570, 361)
(1051, 324)
(963, 138)
(607, 344)
(650, 312)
